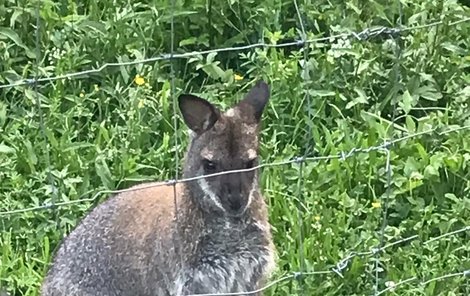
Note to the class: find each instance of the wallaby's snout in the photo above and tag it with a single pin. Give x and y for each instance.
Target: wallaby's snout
(233, 191)
(236, 199)
(235, 205)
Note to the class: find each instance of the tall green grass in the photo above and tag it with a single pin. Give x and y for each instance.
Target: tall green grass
(104, 132)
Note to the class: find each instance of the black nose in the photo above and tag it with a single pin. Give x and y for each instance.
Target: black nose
(234, 203)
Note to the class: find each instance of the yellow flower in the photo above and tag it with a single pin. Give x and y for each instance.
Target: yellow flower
(141, 104)
(82, 94)
(317, 218)
(139, 80)
(238, 77)
(97, 88)
(376, 204)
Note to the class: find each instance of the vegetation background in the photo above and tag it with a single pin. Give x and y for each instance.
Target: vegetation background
(109, 130)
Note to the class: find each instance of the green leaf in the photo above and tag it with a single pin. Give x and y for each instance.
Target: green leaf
(430, 171)
(104, 173)
(94, 26)
(411, 166)
(210, 57)
(3, 114)
(362, 97)
(6, 33)
(406, 101)
(429, 93)
(410, 124)
(321, 93)
(6, 149)
(214, 71)
(14, 17)
(188, 41)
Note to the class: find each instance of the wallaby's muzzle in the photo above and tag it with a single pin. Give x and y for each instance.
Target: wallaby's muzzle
(235, 204)
(234, 196)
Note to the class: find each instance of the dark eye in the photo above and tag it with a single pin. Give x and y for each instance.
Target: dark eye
(209, 166)
(250, 163)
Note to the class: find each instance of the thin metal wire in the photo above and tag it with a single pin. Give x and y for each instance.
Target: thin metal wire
(50, 177)
(373, 251)
(341, 156)
(424, 283)
(271, 284)
(343, 263)
(467, 228)
(308, 144)
(388, 170)
(177, 234)
(173, 88)
(388, 166)
(363, 35)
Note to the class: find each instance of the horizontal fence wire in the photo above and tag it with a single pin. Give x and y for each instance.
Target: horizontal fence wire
(393, 286)
(361, 36)
(339, 267)
(296, 160)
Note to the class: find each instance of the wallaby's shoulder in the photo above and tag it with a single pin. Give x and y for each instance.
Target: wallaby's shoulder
(145, 206)
(149, 196)
(137, 211)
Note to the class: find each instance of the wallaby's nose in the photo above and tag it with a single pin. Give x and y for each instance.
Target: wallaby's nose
(234, 203)
(232, 192)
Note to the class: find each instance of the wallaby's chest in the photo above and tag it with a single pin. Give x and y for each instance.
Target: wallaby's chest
(232, 260)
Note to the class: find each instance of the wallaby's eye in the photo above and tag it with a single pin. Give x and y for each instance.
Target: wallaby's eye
(250, 163)
(209, 166)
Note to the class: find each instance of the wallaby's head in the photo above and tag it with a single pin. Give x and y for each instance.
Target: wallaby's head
(223, 141)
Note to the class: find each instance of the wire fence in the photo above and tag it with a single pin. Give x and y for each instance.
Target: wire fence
(363, 35)
(338, 268)
(343, 155)
(385, 147)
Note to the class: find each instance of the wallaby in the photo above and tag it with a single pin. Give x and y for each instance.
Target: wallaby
(220, 240)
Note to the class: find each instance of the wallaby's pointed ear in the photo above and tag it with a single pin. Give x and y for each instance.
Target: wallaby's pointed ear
(255, 100)
(198, 114)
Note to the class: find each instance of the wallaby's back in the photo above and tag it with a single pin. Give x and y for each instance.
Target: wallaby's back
(122, 243)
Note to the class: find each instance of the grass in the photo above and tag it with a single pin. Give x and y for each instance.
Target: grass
(104, 131)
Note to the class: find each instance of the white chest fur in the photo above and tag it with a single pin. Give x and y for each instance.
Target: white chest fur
(224, 272)
(244, 271)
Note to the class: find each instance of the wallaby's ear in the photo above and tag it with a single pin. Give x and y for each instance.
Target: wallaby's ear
(255, 100)
(198, 114)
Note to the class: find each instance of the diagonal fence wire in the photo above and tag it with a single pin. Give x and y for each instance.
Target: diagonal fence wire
(393, 286)
(365, 34)
(343, 155)
(341, 266)
(343, 263)
(353, 254)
